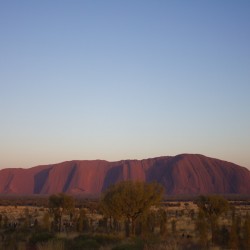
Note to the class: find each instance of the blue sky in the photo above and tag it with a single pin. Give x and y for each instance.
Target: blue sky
(123, 80)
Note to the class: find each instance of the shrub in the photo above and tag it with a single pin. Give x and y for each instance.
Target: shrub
(41, 237)
(136, 245)
(93, 242)
(103, 239)
(128, 247)
(51, 245)
(86, 244)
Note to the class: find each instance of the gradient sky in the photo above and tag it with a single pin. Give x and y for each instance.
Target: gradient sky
(123, 80)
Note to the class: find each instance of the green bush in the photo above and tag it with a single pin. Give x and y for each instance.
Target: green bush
(41, 237)
(103, 239)
(87, 241)
(51, 245)
(128, 246)
(86, 244)
(137, 244)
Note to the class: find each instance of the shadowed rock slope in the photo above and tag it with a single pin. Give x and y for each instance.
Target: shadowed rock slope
(181, 174)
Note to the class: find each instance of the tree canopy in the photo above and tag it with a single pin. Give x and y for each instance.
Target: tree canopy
(61, 201)
(60, 204)
(130, 199)
(212, 205)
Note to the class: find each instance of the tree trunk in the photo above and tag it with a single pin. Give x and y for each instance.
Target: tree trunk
(133, 226)
(127, 229)
(214, 230)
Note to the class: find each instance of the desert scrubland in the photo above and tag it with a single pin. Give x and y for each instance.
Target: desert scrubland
(83, 224)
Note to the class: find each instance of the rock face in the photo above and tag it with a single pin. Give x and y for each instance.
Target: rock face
(181, 174)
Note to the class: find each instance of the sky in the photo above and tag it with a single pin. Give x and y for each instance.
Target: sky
(130, 79)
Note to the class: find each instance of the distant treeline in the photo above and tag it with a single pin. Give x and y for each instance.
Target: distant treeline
(42, 200)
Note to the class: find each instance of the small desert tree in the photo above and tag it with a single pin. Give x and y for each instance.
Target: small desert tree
(46, 221)
(5, 221)
(163, 222)
(82, 223)
(60, 204)
(213, 207)
(202, 229)
(246, 232)
(1, 219)
(233, 236)
(128, 200)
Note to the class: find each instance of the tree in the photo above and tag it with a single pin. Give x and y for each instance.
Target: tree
(163, 222)
(246, 232)
(173, 227)
(128, 200)
(1, 219)
(202, 229)
(233, 237)
(5, 221)
(213, 207)
(82, 223)
(27, 218)
(60, 204)
(46, 221)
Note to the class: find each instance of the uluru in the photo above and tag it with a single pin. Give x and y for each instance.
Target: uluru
(191, 174)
